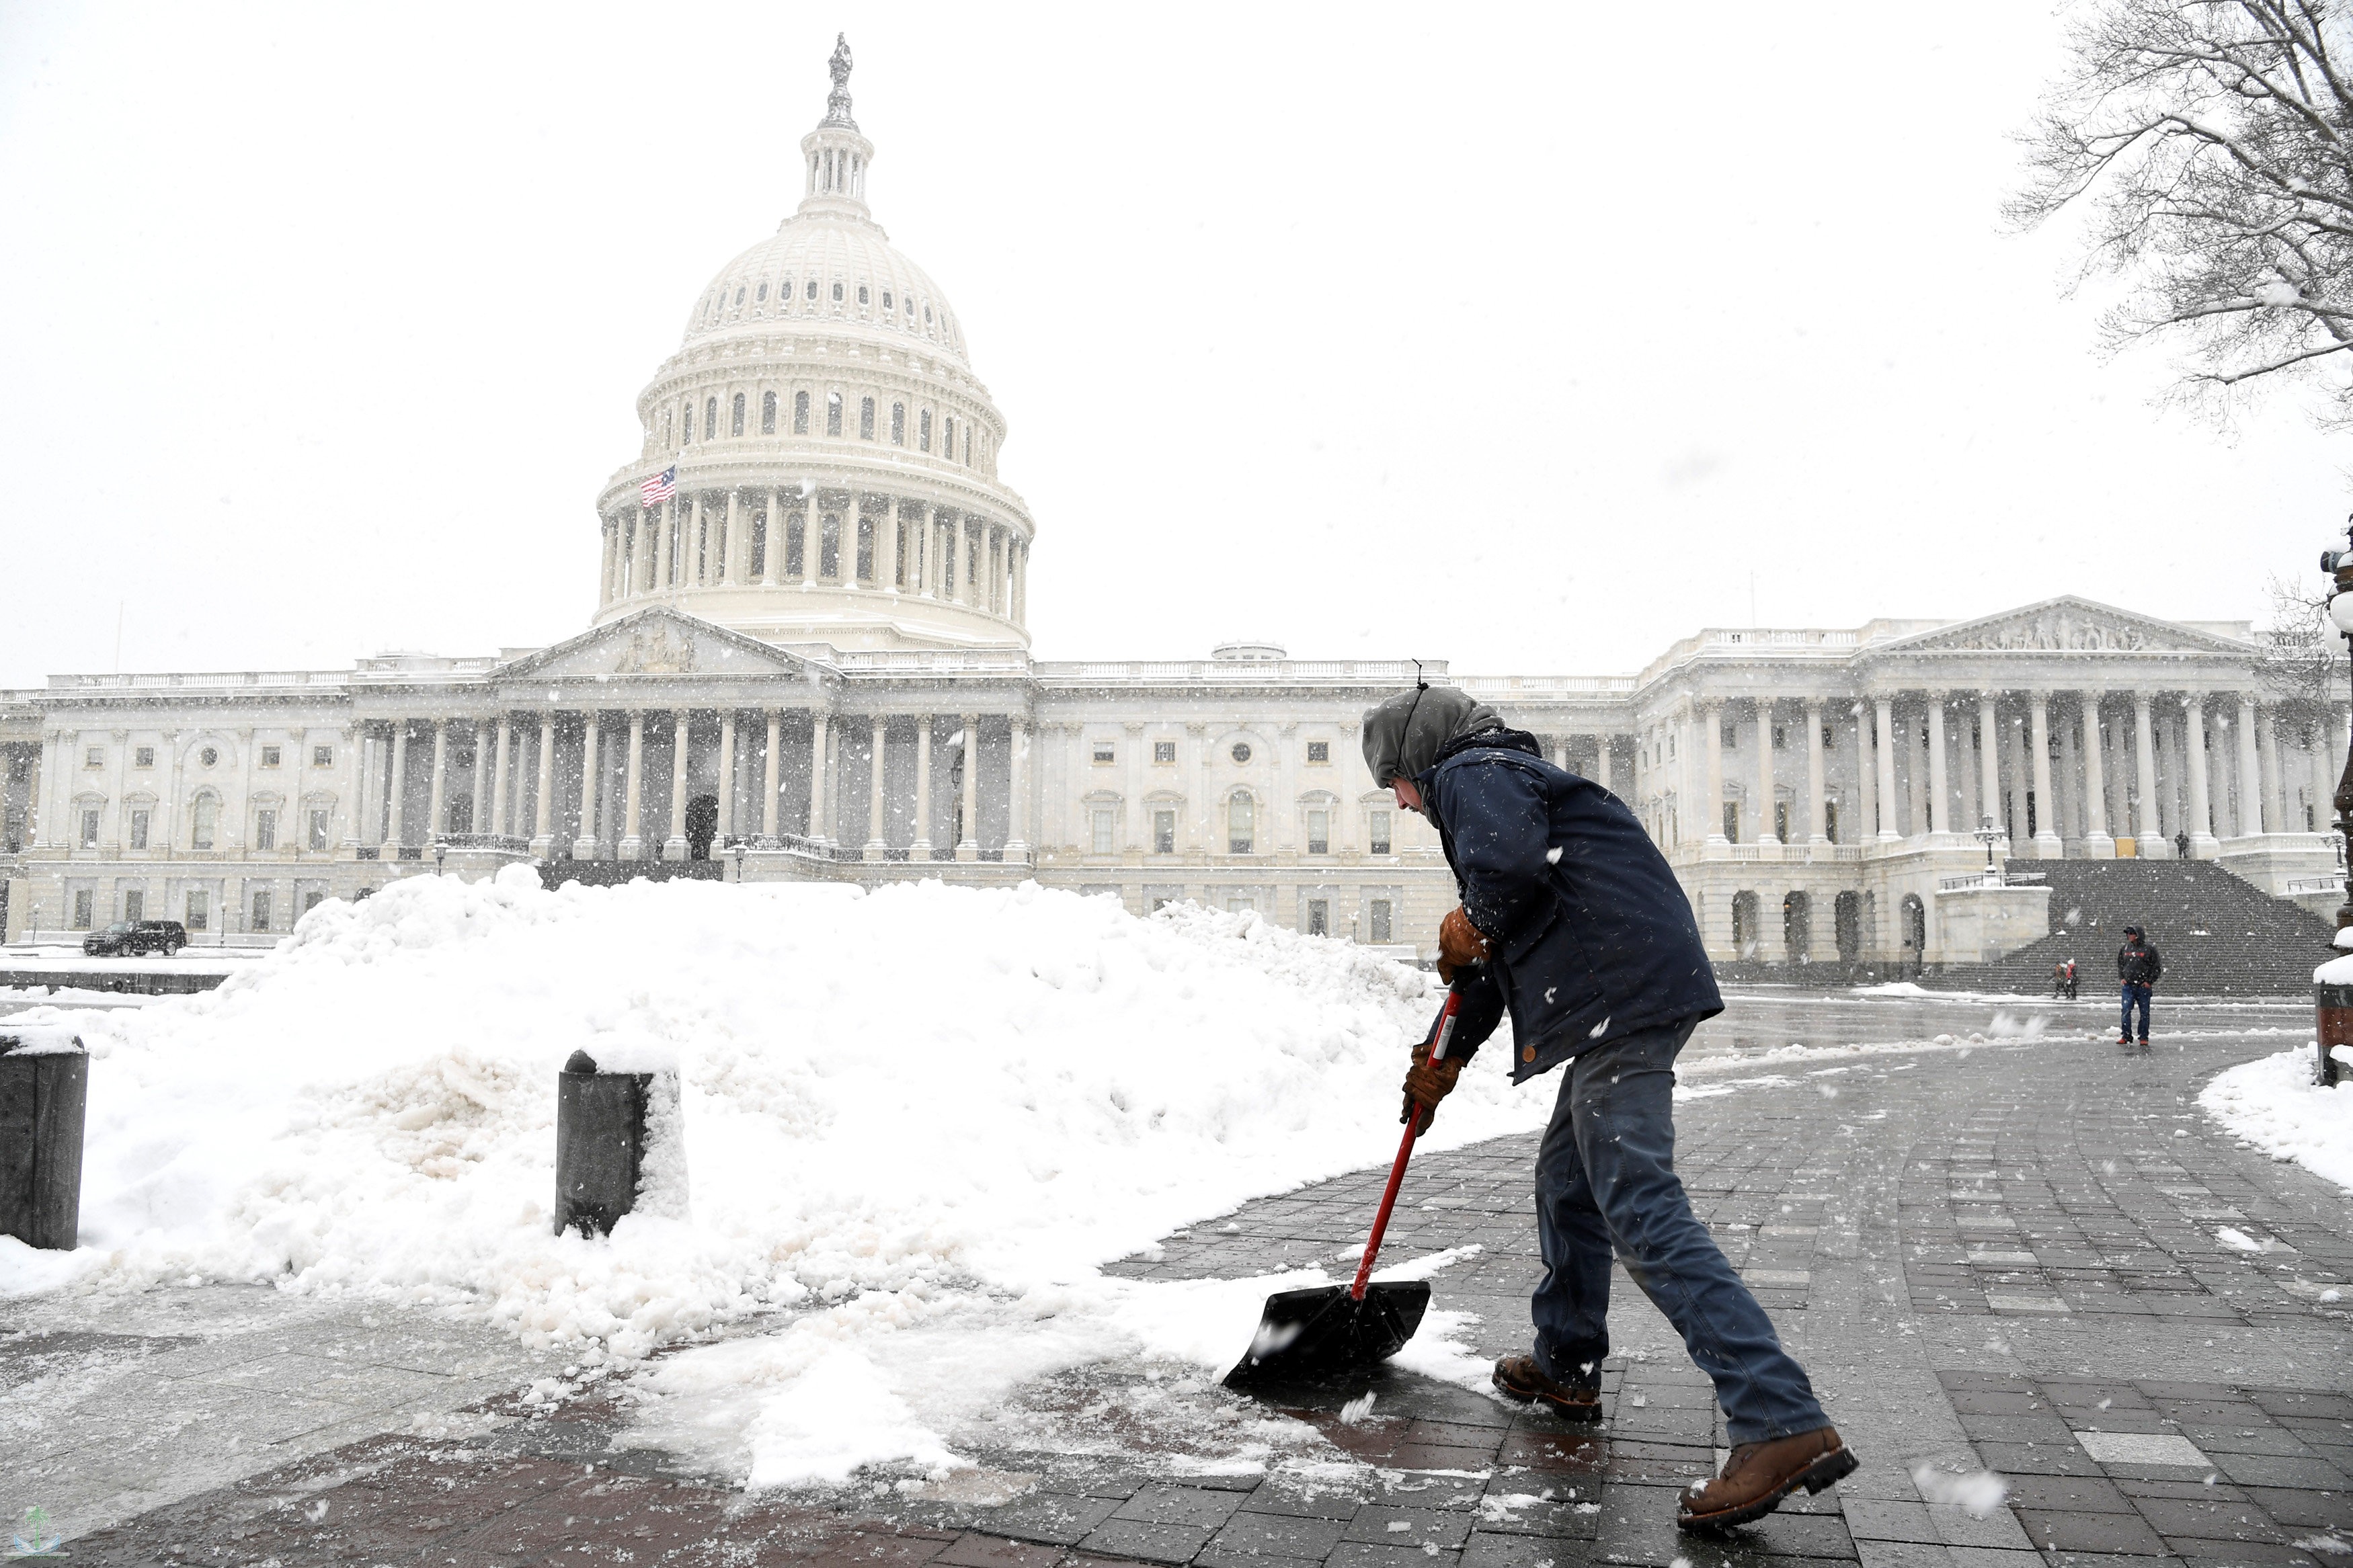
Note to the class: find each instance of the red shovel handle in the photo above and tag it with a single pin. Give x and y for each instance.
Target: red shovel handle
(1439, 1033)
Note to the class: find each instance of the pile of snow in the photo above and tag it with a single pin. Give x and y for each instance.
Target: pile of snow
(920, 1119)
(2274, 1103)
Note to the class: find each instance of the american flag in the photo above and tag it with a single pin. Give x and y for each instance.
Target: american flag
(661, 486)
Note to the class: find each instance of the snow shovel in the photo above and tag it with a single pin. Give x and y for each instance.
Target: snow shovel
(1326, 1329)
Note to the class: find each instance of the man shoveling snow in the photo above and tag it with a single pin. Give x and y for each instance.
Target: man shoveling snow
(1581, 933)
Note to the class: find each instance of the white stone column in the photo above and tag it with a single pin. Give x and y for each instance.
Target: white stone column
(969, 842)
(876, 843)
(1989, 758)
(1601, 760)
(812, 529)
(1864, 829)
(727, 774)
(853, 525)
(674, 844)
(435, 824)
(1817, 775)
(737, 555)
(2277, 817)
(584, 843)
(1940, 782)
(479, 793)
(921, 851)
(820, 820)
(542, 812)
(968, 578)
(2048, 845)
(2148, 833)
(2250, 772)
(395, 832)
(772, 564)
(1765, 786)
(633, 842)
(499, 775)
(2066, 780)
(886, 547)
(2099, 845)
(1883, 742)
(363, 816)
(1017, 831)
(771, 775)
(2193, 745)
(1710, 715)
(2322, 769)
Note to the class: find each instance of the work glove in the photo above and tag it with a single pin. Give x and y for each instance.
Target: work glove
(1459, 943)
(1427, 1083)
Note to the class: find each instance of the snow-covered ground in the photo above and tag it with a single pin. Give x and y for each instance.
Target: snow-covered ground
(2275, 1103)
(916, 1124)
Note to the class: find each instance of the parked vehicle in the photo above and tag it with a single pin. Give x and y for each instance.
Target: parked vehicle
(126, 939)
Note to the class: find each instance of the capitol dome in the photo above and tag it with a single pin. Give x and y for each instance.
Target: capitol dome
(819, 462)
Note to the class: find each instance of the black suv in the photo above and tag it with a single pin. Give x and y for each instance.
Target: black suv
(125, 938)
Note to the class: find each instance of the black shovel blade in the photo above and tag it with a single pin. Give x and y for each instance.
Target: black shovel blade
(1324, 1330)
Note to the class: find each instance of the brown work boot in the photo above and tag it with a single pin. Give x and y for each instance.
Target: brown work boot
(1760, 1475)
(1518, 1377)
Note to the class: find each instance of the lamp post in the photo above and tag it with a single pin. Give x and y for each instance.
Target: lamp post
(2338, 565)
(440, 851)
(1986, 834)
(737, 848)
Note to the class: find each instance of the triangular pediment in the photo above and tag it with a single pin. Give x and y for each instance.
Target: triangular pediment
(2067, 624)
(657, 641)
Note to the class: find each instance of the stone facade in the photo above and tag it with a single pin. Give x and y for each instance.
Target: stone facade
(810, 642)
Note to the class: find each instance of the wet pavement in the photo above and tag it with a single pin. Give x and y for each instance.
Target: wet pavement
(1991, 1238)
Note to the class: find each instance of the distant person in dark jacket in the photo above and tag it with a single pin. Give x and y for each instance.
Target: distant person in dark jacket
(1572, 922)
(2138, 968)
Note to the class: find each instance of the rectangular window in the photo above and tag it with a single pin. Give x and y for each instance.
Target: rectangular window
(1732, 821)
(134, 904)
(322, 756)
(1781, 820)
(84, 900)
(1105, 751)
(1319, 917)
(1163, 832)
(796, 532)
(201, 817)
(1376, 918)
(923, 431)
(1319, 750)
(829, 550)
(272, 756)
(1102, 830)
(139, 829)
(142, 757)
(1732, 737)
(265, 830)
(759, 545)
(735, 416)
(1781, 738)
(865, 550)
(260, 910)
(314, 898)
(319, 831)
(947, 438)
(833, 414)
(1164, 751)
(1377, 831)
(800, 412)
(1241, 826)
(898, 424)
(12, 830)
(866, 419)
(94, 757)
(200, 912)
(1830, 820)
(1319, 832)
(90, 829)
(768, 428)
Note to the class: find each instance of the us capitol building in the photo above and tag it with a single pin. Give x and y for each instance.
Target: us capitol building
(810, 660)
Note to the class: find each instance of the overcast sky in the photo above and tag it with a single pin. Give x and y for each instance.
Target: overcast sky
(1532, 340)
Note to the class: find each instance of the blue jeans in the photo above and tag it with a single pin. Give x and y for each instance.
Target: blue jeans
(2136, 996)
(1605, 1173)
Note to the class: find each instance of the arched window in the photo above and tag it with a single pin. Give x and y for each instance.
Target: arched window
(800, 412)
(666, 427)
(866, 419)
(711, 418)
(686, 425)
(812, 289)
(833, 414)
(862, 294)
(886, 298)
(735, 416)
(739, 295)
(898, 424)
(837, 293)
(768, 414)
(762, 295)
(923, 431)
(947, 438)
(204, 820)
(967, 446)
(927, 315)
(1241, 819)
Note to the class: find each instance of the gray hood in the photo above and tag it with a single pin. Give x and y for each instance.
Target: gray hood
(1403, 733)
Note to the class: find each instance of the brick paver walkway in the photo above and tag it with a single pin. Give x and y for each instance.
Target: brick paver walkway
(2006, 1259)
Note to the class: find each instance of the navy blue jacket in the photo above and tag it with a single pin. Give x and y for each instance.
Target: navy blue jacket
(1591, 936)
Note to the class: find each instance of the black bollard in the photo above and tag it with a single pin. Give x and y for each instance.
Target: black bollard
(600, 1144)
(2333, 1022)
(44, 1097)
